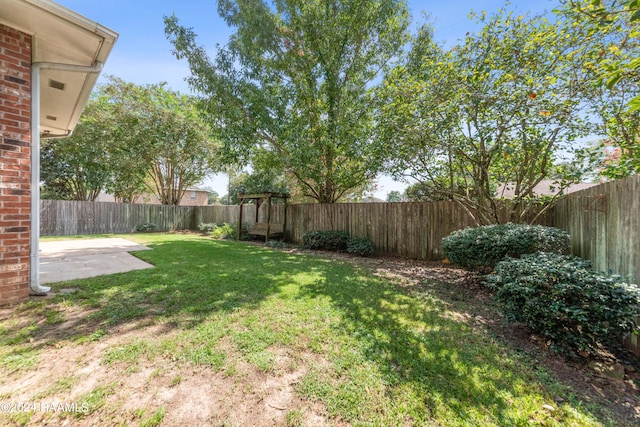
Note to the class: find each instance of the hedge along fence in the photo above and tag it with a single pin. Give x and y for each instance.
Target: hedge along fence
(604, 226)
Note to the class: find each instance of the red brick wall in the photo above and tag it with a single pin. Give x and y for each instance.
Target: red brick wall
(15, 165)
(201, 199)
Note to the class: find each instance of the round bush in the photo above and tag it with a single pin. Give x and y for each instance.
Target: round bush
(224, 231)
(313, 239)
(559, 297)
(335, 240)
(360, 246)
(207, 227)
(146, 228)
(485, 246)
(331, 240)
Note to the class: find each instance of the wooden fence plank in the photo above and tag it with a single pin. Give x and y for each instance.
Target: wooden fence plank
(604, 225)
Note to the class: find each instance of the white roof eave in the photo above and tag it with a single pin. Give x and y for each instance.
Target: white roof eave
(60, 36)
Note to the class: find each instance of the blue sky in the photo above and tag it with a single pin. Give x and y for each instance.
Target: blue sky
(143, 54)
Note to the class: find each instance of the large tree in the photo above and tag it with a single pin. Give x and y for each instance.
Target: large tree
(170, 142)
(496, 109)
(614, 98)
(296, 78)
(80, 166)
(131, 139)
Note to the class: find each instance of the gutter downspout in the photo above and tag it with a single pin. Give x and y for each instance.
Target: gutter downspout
(34, 279)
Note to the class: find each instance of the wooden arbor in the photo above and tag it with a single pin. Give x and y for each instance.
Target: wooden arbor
(266, 229)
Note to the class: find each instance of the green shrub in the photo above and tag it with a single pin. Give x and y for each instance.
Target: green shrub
(487, 245)
(224, 231)
(559, 297)
(147, 227)
(360, 246)
(331, 240)
(313, 239)
(207, 227)
(336, 240)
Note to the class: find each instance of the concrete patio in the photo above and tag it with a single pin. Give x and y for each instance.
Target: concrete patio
(62, 260)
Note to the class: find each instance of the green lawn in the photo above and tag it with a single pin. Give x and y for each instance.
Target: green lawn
(367, 352)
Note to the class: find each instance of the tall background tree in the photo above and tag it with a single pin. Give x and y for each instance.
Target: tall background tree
(179, 148)
(80, 166)
(496, 109)
(295, 78)
(133, 139)
(613, 32)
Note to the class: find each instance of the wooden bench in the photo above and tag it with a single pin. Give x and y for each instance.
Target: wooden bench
(260, 229)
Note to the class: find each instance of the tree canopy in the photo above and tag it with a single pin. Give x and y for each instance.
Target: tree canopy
(131, 139)
(77, 167)
(331, 93)
(296, 78)
(259, 181)
(172, 146)
(495, 109)
(613, 29)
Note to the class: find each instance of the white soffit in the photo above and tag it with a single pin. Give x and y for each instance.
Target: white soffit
(60, 36)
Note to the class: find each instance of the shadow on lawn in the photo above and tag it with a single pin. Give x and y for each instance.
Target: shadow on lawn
(192, 279)
(410, 341)
(455, 371)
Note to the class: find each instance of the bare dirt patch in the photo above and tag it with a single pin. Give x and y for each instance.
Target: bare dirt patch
(187, 394)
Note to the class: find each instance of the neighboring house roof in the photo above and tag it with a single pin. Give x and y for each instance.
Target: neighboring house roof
(372, 199)
(546, 187)
(202, 198)
(60, 36)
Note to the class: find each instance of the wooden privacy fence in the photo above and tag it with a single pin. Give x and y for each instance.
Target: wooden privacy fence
(604, 225)
(65, 218)
(412, 230)
(603, 221)
(62, 218)
(219, 214)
